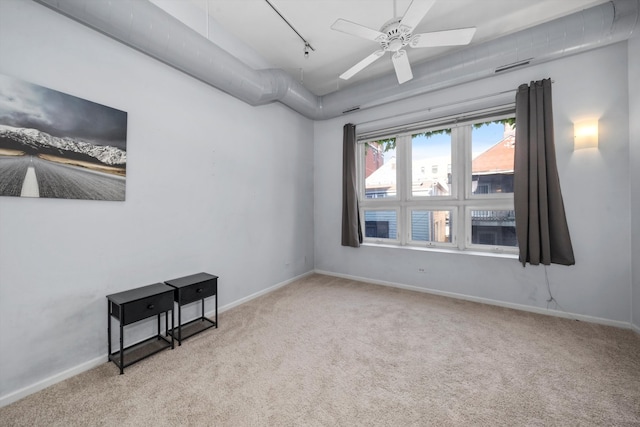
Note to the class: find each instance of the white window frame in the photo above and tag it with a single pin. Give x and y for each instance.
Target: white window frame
(381, 240)
(505, 206)
(360, 165)
(461, 201)
(429, 244)
(408, 159)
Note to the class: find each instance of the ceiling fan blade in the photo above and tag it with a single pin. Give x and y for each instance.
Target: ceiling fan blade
(361, 65)
(358, 30)
(443, 38)
(414, 14)
(402, 66)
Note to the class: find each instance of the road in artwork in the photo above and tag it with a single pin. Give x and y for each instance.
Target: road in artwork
(57, 180)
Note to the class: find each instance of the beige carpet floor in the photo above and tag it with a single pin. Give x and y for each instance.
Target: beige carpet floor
(325, 351)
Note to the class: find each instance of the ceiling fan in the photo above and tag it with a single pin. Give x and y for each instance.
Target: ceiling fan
(397, 33)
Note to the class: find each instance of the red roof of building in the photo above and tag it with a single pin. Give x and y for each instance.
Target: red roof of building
(498, 158)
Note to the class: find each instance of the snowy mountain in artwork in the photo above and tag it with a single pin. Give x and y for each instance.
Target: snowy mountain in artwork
(35, 139)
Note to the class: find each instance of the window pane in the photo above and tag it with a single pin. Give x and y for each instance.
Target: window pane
(431, 163)
(495, 228)
(492, 146)
(381, 224)
(431, 226)
(380, 169)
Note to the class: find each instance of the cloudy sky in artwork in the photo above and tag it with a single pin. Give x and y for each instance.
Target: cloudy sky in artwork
(27, 105)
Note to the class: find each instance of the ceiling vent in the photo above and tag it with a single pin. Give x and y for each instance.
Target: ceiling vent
(351, 110)
(513, 65)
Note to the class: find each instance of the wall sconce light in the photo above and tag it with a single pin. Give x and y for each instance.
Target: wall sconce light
(585, 134)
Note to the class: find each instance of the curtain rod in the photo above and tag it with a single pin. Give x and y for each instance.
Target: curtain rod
(436, 107)
(450, 104)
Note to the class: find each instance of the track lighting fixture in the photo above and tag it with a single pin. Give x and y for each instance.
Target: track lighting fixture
(307, 46)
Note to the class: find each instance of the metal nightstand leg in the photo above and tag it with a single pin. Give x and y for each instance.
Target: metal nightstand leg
(121, 348)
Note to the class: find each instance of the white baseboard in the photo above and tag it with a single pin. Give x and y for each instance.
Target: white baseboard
(635, 328)
(522, 307)
(40, 385)
(24, 392)
(258, 294)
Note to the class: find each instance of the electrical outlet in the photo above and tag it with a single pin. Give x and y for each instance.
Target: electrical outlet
(421, 270)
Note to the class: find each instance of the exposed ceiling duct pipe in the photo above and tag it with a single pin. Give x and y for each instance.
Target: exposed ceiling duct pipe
(147, 28)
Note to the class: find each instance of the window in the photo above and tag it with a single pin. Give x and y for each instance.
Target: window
(430, 226)
(445, 186)
(380, 169)
(381, 224)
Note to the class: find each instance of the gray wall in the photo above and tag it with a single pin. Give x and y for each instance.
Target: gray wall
(595, 185)
(212, 185)
(634, 158)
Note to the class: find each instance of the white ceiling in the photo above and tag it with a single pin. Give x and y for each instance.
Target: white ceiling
(256, 24)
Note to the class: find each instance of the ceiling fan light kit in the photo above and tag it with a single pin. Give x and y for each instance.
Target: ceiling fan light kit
(396, 34)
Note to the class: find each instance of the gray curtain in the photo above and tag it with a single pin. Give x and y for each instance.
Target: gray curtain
(351, 229)
(541, 224)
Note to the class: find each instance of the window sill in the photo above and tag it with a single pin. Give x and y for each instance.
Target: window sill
(444, 250)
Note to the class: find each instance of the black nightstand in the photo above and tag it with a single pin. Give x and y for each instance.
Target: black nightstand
(134, 305)
(189, 289)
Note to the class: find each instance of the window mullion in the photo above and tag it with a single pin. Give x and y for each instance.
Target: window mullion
(465, 189)
(459, 135)
(360, 167)
(403, 180)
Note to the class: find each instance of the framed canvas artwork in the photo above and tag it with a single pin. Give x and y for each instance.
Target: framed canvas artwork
(57, 145)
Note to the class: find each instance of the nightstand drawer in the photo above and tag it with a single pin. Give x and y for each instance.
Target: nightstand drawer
(146, 307)
(194, 287)
(197, 291)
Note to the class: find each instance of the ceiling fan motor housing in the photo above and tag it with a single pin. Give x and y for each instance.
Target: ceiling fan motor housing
(397, 36)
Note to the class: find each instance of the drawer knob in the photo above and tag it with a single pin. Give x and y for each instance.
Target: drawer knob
(151, 306)
(199, 290)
